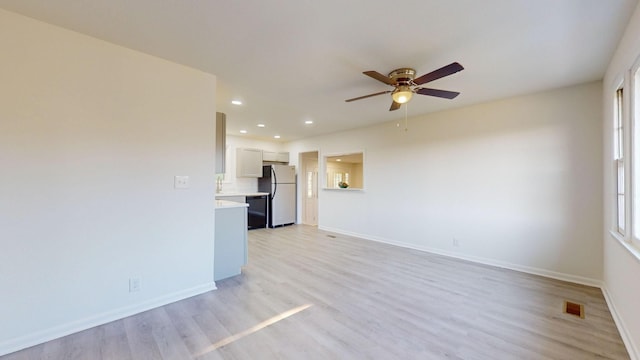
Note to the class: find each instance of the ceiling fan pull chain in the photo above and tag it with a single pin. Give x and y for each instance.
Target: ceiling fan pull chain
(406, 122)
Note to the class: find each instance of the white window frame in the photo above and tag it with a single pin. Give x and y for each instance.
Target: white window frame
(633, 111)
(620, 154)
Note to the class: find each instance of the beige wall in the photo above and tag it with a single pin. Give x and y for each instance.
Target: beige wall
(517, 182)
(91, 137)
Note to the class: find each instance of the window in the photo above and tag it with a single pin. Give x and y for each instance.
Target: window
(618, 158)
(626, 158)
(310, 184)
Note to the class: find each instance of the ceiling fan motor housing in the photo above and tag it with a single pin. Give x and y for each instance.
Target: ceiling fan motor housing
(403, 76)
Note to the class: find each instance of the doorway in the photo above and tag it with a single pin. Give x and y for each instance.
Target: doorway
(309, 166)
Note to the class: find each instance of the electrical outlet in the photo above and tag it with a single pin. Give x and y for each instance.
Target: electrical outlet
(456, 242)
(181, 182)
(134, 285)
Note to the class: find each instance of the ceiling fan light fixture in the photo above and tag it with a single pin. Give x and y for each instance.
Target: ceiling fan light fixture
(402, 94)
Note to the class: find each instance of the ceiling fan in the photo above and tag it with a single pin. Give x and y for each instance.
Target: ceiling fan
(406, 84)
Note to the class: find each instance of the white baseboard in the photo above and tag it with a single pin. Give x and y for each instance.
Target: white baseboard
(491, 262)
(45, 335)
(634, 354)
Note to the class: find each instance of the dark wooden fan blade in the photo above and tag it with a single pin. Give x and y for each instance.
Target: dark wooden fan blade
(394, 106)
(437, 93)
(376, 75)
(440, 73)
(370, 95)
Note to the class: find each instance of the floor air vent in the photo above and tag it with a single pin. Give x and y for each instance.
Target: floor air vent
(574, 309)
(331, 236)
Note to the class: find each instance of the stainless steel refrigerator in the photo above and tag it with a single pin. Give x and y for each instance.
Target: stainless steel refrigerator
(280, 182)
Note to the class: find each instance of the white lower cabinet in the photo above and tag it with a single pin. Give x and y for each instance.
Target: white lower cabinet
(231, 247)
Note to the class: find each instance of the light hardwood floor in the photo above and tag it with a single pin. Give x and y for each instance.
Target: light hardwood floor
(307, 295)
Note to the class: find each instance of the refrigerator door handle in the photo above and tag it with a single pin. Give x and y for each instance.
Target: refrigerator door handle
(275, 181)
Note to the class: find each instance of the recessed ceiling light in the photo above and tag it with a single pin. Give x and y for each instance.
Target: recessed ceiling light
(338, 159)
(260, 125)
(236, 102)
(276, 136)
(308, 122)
(243, 131)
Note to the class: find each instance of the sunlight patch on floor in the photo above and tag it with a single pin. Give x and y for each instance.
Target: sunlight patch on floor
(255, 328)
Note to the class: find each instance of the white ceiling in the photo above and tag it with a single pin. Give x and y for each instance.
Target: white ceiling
(297, 60)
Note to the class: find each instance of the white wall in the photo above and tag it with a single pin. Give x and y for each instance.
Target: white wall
(91, 136)
(517, 182)
(232, 183)
(621, 268)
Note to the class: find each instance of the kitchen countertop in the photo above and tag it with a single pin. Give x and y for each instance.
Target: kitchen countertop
(224, 194)
(220, 204)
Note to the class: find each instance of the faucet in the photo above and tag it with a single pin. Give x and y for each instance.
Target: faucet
(218, 185)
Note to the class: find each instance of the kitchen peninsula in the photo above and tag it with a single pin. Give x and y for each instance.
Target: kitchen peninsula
(231, 247)
(257, 203)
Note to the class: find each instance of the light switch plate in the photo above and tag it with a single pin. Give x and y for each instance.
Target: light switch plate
(134, 284)
(181, 182)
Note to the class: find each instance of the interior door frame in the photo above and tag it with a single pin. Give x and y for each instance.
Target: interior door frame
(302, 178)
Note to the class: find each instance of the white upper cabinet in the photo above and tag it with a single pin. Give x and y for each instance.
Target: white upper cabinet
(275, 156)
(221, 142)
(248, 162)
